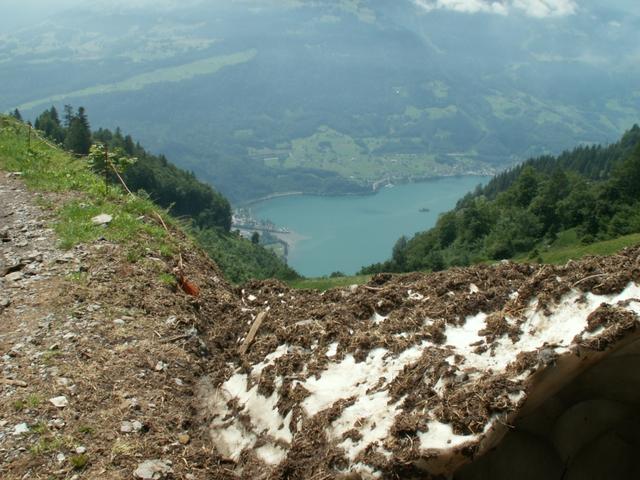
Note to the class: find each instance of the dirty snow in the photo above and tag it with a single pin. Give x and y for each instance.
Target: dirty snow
(373, 413)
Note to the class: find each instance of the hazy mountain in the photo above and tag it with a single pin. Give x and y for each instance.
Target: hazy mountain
(330, 96)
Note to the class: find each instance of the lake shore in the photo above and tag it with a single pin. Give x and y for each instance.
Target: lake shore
(345, 233)
(291, 238)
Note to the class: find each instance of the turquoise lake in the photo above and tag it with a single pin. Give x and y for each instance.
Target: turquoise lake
(346, 233)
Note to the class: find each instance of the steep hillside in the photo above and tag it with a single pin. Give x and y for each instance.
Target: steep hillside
(205, 212)
(101, 347)
(590, 191)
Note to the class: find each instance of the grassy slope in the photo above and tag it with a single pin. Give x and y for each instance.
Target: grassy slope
(568, 247)
(325, 283)
(208, 66)
(49, 169)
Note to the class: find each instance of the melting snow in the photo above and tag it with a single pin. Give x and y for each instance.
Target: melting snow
(372, 414)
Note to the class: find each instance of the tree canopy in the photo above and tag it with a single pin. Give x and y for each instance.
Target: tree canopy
(594, 190)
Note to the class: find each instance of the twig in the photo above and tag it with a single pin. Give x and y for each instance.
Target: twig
(15, 383)
(373, 289)
(162, 221)
(176, 338)
(252, 333)
(589, 278)
(120, 178)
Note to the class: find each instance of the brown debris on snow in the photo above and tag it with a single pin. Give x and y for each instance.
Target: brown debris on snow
(432, 390)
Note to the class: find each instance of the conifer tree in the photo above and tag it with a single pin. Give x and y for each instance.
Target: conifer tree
(48, 122)
(78, 138)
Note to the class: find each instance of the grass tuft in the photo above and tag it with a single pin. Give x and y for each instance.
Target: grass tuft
(49, 169)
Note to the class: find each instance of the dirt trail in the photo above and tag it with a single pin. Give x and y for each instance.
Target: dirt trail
(99, 357)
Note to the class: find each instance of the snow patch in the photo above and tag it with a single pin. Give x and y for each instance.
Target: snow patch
(349, 378)
(271, 454)
(371, 415)
(377, 319)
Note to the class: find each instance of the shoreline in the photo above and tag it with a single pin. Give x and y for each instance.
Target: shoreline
(291, 239)
(393, 181)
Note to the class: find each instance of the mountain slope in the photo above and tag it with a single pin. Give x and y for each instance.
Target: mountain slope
(592, 190)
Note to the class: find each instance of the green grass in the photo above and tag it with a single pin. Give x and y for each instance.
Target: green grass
(568, 247)
(167, 279)
(79, 462)
(330, 150)
(207, 66)
(48, 444)
(325, 283)
(49, 169)
(86, 430)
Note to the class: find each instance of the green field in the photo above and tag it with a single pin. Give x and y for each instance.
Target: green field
(208, 66)
(328, 149)
(568, 247)
(325, 283)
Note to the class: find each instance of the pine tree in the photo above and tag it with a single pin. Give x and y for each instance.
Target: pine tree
(49, 123)
(16, 114)
(68, 115)
(78, 138)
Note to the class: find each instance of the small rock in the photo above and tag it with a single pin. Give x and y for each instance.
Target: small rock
(126, 427)
(66, 258)
(102, 219)
(93, 308)
(60, 457)
(4, 302)
(20, 429)
(160, 366)
(119, 322)
(14, 277)
(184, 439)
(131, 427)
(179, 382)
(59, 402)
(57, 423)
(32, 257)
(153, 469)
(80, 450)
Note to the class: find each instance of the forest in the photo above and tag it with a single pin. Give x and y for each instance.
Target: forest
(592, 190)
(206, 211)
